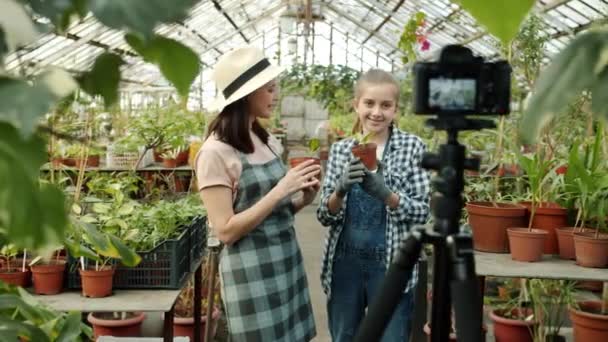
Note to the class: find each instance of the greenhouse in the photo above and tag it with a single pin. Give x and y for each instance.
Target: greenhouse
(303, 170)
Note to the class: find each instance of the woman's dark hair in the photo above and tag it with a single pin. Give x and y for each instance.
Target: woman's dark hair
(231, 126)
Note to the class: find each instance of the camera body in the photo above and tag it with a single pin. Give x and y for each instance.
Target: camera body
(462, 84)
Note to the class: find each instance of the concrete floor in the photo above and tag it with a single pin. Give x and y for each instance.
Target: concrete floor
(311, 237)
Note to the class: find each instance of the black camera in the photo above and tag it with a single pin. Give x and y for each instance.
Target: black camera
(461, 84)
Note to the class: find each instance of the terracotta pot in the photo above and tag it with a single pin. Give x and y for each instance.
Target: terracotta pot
(170, 163)
(367, 154)
(511, 330)
(48, 279)
(93, 161)
(157, 156)
(526, 245)
(57, 162)
(96, 284)
(102, 326)
(184, 326)
(591, 252)
(565, 243)
(588, 322)
(293, 162)
(182, 157)
(324, 154)
(590, 285)
(489, 224)
(16, 277)
(453, 337)
(548, 216)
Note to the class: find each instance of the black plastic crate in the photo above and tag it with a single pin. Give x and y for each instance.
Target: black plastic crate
(166, 266)
(198, 240)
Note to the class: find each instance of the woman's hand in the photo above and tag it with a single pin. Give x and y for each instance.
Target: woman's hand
(300, 178)
(310, 193)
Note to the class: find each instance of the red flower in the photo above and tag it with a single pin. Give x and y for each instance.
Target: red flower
(420, 38)
(426, 45)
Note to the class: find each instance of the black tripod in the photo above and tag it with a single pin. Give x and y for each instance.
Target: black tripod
(454, 279)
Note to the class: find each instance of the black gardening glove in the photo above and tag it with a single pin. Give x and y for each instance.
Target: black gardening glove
(373, 184)
(353, 174)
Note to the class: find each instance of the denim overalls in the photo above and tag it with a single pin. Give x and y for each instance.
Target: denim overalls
(359, 269)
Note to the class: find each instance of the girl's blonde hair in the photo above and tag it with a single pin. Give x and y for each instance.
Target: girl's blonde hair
(372, 77)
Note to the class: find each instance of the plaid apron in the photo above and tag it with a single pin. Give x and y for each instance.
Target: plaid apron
(264, 284)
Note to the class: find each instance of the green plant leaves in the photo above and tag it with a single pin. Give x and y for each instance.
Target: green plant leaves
(60, 12)
(22, 103)
(178, 63)
(572, 71)
(103, 79)
(16, 24)
(501, 17)
(128, 257)
(33, 215)
(139, 16)
(71, 328)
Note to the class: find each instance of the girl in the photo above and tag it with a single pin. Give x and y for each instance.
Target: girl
(247, 192)
(368, 212)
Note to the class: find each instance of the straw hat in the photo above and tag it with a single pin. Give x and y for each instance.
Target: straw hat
(239, 73)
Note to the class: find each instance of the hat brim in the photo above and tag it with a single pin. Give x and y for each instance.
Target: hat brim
(249, 87)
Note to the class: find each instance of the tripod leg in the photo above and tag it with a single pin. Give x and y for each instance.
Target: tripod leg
(465, 289)
(440, 304)
(380, 311)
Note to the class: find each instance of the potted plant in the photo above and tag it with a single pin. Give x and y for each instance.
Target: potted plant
(102, 248)
(11, 273)
(313, 146)
(117, 324)
(527, 244)
(512, 320)
(544, 183)
(548, 298)
(365, 150)
(183, 322)
(579, 182)
(590, 318)
(170, 158)
(48, 275)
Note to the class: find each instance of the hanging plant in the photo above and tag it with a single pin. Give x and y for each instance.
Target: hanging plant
(413, 36)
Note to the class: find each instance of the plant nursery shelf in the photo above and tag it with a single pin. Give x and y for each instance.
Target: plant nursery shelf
(550, 267)
(154, 167)
(121, 300)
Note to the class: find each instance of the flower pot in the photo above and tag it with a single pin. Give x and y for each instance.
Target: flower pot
(170, 163)
(56, 162)
(324, 154)
(184, 326)
(588, 322)
(93, 161)
(591, 252)
(48, 279)
(489, 224)
(548, 216)
(565, 242)
(590, 285)
(293, 162)
(105, 325)
(453, 338)
(526, 245)
(182, 157)
(157, 155)
(367, 154)
(96, 284)
(511, 330)
(15, 277)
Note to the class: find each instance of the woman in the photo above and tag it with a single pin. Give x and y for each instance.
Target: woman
(248, 196)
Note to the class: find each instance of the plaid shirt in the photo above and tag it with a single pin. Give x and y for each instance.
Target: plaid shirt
(402, 175)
